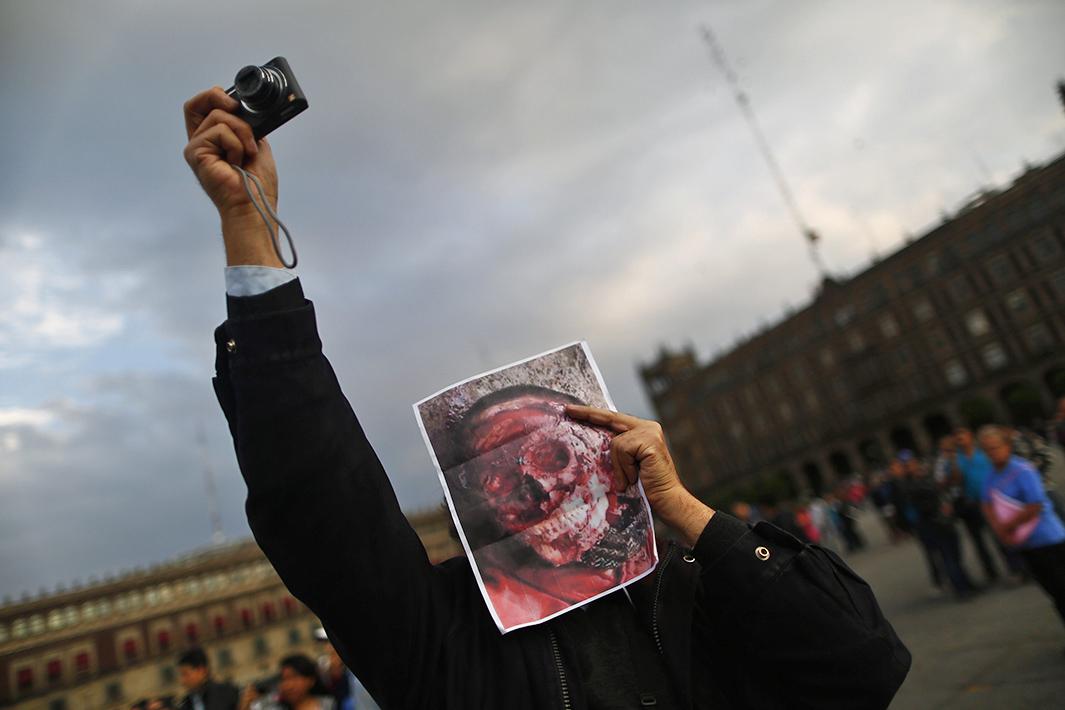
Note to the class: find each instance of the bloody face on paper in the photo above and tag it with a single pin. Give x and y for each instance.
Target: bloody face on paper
(540, 511)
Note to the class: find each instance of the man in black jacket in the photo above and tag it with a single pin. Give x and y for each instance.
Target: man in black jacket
(734, 617)
(203, 693)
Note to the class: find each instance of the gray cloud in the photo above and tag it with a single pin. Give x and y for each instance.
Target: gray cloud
(472, 185)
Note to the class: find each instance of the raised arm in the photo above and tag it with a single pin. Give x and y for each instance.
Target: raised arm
(771, 613)
(319, 502)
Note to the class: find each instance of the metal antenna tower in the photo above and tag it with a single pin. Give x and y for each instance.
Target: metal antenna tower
(717, 53)
(217, 536)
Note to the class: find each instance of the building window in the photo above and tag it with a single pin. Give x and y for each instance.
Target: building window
(1001, 269)
(81, 663)
(1057, 285)
(225, 658)
(129, 650)
(268, 612)
(246, 618)
(19, 628)
(994, 355)
(844, 315)
(55, 619)
(960, 290)
(54, 671)
(162, 640)
(931, 265)
(1040, 340)
(36, 625)
(889, 326)
(955, 373)
(938, 340)
(24, 680)
(294, 637)
(977, 323)
(166, 675)
(290, 606)
(1017, 302)
(903, 358)
(192, 633)
(1045, 247)
(923, 311)
(114, 692)
(219, 625)
(261, 649)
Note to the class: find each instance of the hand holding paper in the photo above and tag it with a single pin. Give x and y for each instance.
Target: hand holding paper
(639, 450)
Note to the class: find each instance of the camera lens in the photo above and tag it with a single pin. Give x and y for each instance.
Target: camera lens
(259, 88)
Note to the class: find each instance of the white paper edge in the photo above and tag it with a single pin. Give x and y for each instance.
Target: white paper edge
(454, 515)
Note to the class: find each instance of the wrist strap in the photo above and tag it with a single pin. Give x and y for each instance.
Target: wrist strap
(266, 220)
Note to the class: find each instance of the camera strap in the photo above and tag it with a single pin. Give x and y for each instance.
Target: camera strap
(266, 220)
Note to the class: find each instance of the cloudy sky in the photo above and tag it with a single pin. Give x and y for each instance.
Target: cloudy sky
(473, 183)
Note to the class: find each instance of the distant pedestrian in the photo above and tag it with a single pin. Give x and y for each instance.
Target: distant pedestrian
(203, 693)
(1019, 512)
(973, 467)
(846, 518)
(1035, 449)
(782, 517)
(1056, 426)
(881, 493)
(299, 688)
(935, 527)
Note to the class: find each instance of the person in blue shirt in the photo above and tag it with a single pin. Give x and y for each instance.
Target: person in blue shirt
(967, 469)
(1043, 548)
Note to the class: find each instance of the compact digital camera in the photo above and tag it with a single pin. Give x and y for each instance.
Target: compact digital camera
(269, 95)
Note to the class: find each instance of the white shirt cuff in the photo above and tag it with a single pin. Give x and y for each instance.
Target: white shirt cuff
(251, 280)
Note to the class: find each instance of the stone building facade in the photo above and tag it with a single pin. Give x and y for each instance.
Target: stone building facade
(963, 325)
(111, 643)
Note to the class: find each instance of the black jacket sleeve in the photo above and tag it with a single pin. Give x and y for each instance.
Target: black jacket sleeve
(797, 627)
(319, 502)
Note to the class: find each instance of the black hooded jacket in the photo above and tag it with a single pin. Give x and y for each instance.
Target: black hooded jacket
(749, 618)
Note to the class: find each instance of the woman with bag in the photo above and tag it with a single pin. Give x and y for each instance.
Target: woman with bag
(1018, 510)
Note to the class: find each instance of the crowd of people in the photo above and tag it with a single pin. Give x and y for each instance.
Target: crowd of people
(299, 684)
(992, 486)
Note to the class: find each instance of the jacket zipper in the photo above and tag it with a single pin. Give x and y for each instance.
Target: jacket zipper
(566, 705)
(654, 606)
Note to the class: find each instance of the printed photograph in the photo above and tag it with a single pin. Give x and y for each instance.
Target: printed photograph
(531, 491)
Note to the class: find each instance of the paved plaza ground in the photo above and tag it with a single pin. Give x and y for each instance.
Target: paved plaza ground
(1004, 649)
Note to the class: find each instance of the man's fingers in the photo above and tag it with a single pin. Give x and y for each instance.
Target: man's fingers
(238, 126)
(602, 417)
(197, 108)
(620, 481)
(221, 141)
(625, 450)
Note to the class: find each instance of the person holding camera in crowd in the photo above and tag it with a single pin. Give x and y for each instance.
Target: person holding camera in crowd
(733, 616)
(298, 688)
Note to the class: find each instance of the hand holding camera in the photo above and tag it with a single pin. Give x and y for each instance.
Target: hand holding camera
(227, 129)
(217, 139)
